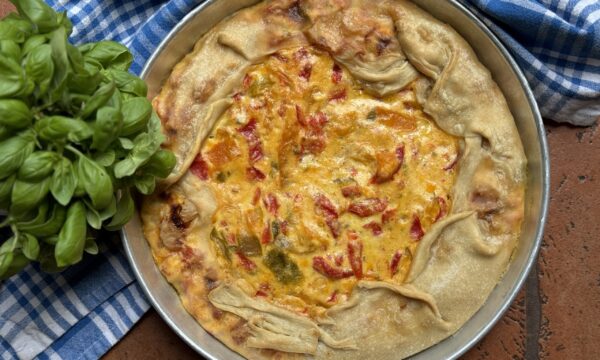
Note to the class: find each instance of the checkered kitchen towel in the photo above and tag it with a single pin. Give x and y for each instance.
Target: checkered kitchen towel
(82, 312)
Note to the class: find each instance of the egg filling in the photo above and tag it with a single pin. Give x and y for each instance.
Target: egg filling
(320, 184)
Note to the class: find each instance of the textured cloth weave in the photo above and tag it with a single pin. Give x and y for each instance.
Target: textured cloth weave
(82, 312)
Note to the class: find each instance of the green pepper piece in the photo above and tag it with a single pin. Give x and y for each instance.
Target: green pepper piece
(219, 240)
(249, 245)
(285, 269)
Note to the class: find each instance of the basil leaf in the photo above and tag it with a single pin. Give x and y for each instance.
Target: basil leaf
(96, 182)
(18, 263)
(39, 218)
(15, 114)
(17, 21)
(145, 184)
(10, 32)
(84, 82)
(30, 246)
(136, 113)
(71, 239)
(106, 158)
(60, 128)
(145, 145)
(92, 216)
(126, 143)
(14, 152)
(27, 195)
(38, 13)
(9, 245)
(75, 58)
(108, 53)
(90, 246)
(5, 261)
(6, 186)
(10, 49)
(58, 42)
(64, 20)
(108, 211)
(5, 133)
(98, 99)
(49, 227)
(12, 81)
(127, 82)
(125, 208)
(37, 166)
(39, 67)
(33, 42)
(64, 182)
(160, 164)
(106, 127)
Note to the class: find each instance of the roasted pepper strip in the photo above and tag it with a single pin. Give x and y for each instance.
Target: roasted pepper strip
(325, 208)
(416, 230)
(355, 249)
(368, 207)
(322, 267)
(395, 262)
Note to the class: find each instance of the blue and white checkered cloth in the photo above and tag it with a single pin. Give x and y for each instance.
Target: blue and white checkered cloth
(82, 312)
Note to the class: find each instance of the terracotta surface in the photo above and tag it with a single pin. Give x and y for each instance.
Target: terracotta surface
(556, 316)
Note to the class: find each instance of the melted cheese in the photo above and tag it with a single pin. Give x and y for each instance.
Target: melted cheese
(299, 154)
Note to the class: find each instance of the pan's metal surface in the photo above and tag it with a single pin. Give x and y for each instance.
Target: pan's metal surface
(522, 104)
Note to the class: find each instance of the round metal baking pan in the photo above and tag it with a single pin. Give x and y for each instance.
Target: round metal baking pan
(513, 84)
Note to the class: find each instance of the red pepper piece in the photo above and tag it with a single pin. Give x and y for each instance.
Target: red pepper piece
(368, 207)
(374, 227)
(333, 296)
(387, 216)
(416, 230)
(266, 235)
(351, 191)
(253, 173)
(264, 290)
(336, 75)
(322, 267)
(256, 196)
(443, 208)
(325, 208)
(355, 248)
(246, 82)
(283, 226)
(199, 167)
(306, 72)
(271, 203)
(249, 132)
(338, 95)
(231, 239)
(300, 116)
(339, 259)
(395, 262)
(245, 261)
(317, 121)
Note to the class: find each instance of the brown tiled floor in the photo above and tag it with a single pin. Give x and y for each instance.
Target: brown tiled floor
(556, 316)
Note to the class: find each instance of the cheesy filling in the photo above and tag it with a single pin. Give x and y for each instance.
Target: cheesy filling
(319, 184)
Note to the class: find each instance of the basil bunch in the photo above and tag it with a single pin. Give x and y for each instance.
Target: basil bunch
(77, 138)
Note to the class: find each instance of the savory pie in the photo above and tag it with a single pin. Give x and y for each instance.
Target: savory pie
(349, 181)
